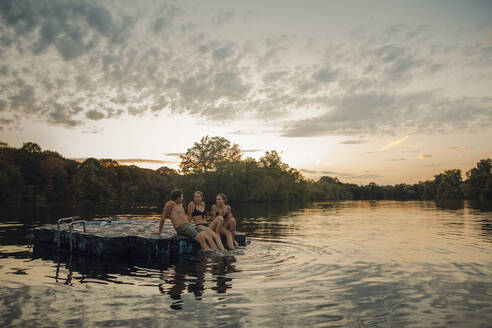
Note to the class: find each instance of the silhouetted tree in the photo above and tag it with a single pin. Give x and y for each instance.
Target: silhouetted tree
(31, 147)
(448, 185)
(479, 181)
(209, 154)
(214, 165)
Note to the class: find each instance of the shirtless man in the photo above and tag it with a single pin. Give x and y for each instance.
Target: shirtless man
(174, 209)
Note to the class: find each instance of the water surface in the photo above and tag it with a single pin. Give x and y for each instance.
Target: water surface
(354, 264)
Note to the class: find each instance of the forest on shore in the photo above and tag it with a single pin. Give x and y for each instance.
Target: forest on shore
(212, 165)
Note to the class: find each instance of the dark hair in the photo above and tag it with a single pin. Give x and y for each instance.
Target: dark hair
(176, 193)
(224, 197)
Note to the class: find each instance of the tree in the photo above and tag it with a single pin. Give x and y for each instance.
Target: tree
(477, 185)
(208, 155)
(31, 147)
(429, 191)
(90, 182)
(166, 171)
(272, 160)
(448, 185)
(11, 182)
(54, 183)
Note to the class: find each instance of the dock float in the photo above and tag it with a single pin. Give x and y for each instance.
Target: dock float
(110, 238)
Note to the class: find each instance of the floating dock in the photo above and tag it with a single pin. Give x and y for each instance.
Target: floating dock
(110, 238)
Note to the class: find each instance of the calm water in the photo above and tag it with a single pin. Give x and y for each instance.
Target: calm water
(353, 264)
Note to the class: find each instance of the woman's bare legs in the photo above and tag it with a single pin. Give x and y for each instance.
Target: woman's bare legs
(217, 224)
(230, 224)
(201, 238)
(212, 238)
(228, 235)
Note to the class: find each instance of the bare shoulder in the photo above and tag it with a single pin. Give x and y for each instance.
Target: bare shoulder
(170, 203)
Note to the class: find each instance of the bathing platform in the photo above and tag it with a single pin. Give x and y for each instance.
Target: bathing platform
(111, 238)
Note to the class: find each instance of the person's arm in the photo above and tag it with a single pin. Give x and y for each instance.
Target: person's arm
(212, 213)
(190, 209)
(229, 213)
(165, 213)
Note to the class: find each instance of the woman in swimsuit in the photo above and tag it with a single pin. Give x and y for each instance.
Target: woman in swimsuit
(196, 211)
(221, 210)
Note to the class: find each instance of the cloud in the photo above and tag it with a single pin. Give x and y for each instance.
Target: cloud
(167, 17)
(394, 144)
(244, 132)
(146, 59)
(254, 132)
(93, 130)
(423, 156)
(72, 28)
(353, 142)
(251, 150)
(127, 161)
(3, 105)
(387, 114)
(142, 161)
(63, 115)
(455, 149)
(365, 176)
(174, 154)
(94, 115)
(5, 121)
(25, 98)
(222, 18)
(397, 159)
(343, 175)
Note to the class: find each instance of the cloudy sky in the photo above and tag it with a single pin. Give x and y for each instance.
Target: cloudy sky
(383, 91)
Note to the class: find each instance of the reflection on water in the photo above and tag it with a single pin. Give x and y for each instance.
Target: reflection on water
(357, 263)
(187, 274)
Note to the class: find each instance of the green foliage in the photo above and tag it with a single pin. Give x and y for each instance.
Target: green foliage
(31, 147)
(213, 166)
(10, 182)
(479, 181)
(448, 185)
(208, 155)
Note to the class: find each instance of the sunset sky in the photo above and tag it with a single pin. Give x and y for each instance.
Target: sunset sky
(383, 91)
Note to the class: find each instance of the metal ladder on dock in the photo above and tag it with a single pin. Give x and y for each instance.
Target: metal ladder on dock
(71, 222)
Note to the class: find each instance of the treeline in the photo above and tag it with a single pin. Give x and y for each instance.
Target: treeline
(213, 165)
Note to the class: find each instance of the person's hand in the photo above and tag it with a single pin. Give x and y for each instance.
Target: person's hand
(156, 233)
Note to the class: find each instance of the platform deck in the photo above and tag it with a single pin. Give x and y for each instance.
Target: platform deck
(121, 238)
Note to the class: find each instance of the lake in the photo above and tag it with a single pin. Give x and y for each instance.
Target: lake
(340, 264)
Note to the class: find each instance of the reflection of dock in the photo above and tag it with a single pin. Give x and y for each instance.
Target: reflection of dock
(119, 238)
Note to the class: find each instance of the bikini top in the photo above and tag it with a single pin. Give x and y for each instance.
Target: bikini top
(197, 212)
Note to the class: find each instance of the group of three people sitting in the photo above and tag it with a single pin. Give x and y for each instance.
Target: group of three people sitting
(195, 225)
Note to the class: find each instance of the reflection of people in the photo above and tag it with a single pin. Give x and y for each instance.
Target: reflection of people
(179, 280)
(174, 209)
(220, 271)
(196, 211)
(220, 209)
